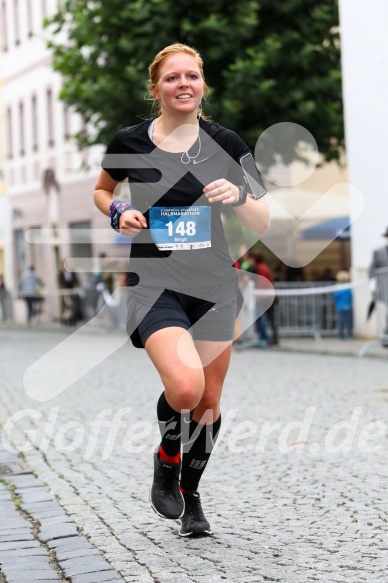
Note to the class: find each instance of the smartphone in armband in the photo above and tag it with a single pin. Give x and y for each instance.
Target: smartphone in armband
(252, 177)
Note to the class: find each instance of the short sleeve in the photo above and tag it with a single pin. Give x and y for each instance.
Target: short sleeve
(116, 146)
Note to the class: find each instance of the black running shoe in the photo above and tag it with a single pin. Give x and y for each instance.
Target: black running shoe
(193, 521)
(166, 497)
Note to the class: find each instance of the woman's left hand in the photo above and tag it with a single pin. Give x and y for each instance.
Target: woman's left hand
(222, 191)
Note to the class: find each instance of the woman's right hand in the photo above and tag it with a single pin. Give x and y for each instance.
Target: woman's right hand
(131, 223)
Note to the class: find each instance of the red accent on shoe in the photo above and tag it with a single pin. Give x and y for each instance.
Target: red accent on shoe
(172, 459)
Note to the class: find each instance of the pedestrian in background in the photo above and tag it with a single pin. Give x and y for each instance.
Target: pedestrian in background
(380, 256)
(71, 306)
(4, 300)
(344, 307)
(247, 283)
(380, 293)
(106, 283)
(240, 264)
(30, 286)
(264, 270)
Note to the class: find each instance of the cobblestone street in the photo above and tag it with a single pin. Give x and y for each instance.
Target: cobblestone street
(296, 490)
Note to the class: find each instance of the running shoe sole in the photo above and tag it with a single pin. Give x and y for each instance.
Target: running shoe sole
(194, 534)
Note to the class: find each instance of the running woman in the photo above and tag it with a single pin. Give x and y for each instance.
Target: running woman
(183, 294)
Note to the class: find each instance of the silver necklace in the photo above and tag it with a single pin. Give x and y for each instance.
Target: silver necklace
(185, 157)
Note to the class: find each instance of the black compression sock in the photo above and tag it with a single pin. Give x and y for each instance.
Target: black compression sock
(196, 453)
(170, 426)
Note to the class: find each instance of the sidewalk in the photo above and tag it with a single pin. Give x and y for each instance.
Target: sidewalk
(305, 344)
(38, 541)
(332, 345)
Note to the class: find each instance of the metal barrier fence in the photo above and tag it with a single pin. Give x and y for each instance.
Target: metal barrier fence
(302, 308)
(380, 304)
(305, 314)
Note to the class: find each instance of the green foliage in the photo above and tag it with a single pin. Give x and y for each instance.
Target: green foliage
(265, 62)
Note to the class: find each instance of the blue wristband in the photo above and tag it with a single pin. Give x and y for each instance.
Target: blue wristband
(116, 209)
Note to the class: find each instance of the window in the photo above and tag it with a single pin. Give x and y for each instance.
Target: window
(37, 250)
(83, 249)
(50, 118)
(34, 107)
(21, 128)
(29, 19)
(20, 252)
(66, 122)
(44, 8)
(16, 21)
(4, 26)
(9, 134)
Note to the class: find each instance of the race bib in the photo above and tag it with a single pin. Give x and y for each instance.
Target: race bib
(180, 228)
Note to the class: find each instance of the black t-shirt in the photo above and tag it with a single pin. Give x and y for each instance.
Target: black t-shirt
(163, 179)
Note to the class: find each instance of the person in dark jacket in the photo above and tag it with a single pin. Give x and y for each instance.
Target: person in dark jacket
(380, 256)
(71, 306)
(29, 287)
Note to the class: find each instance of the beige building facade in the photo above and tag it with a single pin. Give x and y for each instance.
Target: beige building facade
(48, 183)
